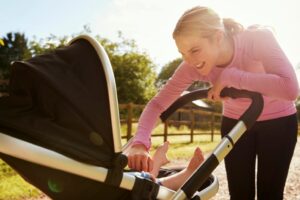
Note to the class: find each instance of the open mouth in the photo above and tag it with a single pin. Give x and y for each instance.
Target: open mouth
(200, 65)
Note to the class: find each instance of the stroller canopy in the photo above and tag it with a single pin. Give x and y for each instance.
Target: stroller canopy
(60, 101)
(65, 101)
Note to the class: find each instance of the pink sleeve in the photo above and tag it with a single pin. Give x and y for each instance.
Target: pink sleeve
(183, 77)
(279, 79)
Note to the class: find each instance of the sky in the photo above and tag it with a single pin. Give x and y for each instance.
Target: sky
(149, 22)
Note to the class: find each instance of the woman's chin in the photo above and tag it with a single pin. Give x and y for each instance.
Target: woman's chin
(203, 72)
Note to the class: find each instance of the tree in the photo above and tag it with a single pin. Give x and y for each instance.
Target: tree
(134, 71)
(13, 47)
(167, 71)
(49, 44)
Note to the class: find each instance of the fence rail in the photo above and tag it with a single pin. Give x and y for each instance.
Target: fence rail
(129, 118)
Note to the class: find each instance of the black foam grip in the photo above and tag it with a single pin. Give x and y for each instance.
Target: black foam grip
(253, 111)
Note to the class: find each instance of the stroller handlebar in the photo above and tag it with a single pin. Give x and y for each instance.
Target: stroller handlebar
(246, 121)
(249, 117)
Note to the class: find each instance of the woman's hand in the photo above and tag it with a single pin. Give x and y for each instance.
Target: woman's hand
(139, 158)
(215, 91)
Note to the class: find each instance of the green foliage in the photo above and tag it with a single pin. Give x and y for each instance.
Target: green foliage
(298, 107)
(13, 47)
(12, 186)
(41, 46)
(52, 42)
(135, 78)
(134, 71)
(167, 71)
(5, 170)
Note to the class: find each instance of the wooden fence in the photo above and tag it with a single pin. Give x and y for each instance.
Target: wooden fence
(129, 117)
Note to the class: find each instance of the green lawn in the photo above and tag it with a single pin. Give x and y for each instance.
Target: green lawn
(13, 187)
(180, 146)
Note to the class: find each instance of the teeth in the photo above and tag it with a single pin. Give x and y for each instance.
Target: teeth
(200, 65)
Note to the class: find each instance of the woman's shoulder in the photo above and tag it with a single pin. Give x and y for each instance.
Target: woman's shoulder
(255, 39)
(256, 33)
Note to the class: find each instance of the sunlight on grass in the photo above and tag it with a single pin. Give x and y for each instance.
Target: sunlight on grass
(13, 187)
(181, 149)
(180, 146)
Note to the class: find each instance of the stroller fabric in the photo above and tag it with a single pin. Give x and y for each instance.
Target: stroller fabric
(60, 101)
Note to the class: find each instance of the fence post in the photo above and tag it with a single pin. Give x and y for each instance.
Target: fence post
(129, 120)
(166, 131)
(192, 125)
(212, 126)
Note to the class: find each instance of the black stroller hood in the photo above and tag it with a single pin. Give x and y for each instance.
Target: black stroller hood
(60, 101)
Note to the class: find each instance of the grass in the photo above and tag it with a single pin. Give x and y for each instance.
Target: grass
(13, 187)
(180, 146)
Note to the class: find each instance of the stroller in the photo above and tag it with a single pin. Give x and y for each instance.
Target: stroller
(60, 129)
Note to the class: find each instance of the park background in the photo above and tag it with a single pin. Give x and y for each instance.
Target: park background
(137, 36)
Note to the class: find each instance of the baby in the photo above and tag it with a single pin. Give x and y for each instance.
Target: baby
(174, 181)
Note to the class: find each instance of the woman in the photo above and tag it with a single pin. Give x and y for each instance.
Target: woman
(222, 52)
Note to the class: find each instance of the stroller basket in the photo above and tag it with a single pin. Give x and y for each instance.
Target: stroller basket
(60, 129)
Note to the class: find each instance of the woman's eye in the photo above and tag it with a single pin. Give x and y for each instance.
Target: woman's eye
(195, 51)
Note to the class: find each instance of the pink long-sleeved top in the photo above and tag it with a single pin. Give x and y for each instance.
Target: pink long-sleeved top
(258, 64)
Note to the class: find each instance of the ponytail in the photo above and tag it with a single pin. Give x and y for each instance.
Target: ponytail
(232, 27)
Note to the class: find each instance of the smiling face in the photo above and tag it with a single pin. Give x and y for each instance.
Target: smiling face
(201, 53)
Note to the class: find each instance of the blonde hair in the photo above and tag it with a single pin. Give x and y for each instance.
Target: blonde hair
(205, 21)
